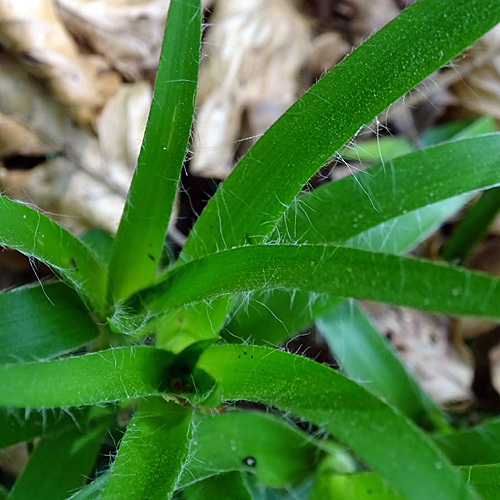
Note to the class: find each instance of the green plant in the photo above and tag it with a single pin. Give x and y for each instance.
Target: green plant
(275, 263)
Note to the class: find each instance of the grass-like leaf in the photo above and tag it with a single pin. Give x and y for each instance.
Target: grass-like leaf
(367, 358)
(152, 452)
(33, 234)
(352, 414)
(72, 452)
(427, 35)
(479, 445)
(341, 210)
(338, 271)
(42, 322)
(139, 241)
(101, 377)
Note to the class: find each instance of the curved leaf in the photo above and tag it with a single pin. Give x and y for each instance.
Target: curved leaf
(33, 234)
(343, 209)
(139, 241)
(316, 268)
(101, 377)
(41, 322)
(277, 453)
(329, 400)
(419, 41)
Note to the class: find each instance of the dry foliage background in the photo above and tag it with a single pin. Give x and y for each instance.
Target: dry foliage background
(76, 82)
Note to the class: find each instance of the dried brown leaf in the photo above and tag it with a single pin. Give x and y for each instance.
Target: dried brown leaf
(33, 31)
(478, 89)
(254, 53)
(87, 183)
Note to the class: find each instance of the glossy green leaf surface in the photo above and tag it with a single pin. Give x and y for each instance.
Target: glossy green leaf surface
(346, 410)
(316, 268)
(59, 465)
(366, 357)
(34, 234)
(101, 377)
(152, 452)
(41, 322)
(420, 40)
(139, 241)
(229, 486)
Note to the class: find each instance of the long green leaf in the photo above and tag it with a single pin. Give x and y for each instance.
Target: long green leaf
(313, 391)
(423, 38)
(101, 377)
(139, 241)
(335, 212)
(59, 465)
(152, 453)
(366, 199)
(316, 268)
(41, 322)
(365, 356)
(33, 234)
(479, 445)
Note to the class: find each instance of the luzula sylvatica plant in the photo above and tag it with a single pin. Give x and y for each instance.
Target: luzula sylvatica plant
(261, 263)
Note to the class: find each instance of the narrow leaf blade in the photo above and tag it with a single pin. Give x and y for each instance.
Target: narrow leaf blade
(152, 452)
(419, 41)
(139, 241)
(116, 374)
(33, 234)
(327, 399)
(42, 322)
(337, 271)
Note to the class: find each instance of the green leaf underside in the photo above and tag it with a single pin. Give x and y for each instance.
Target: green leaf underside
(419, 41)
(229, 486)
(369, 486)
(152, 452)
(143, 226)
(42, 322)
(344, 209)
(101, 377)
(324, 269)
(367, 358)
(59, 465)
(232, 441)
(33, 234)
(327, 399)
